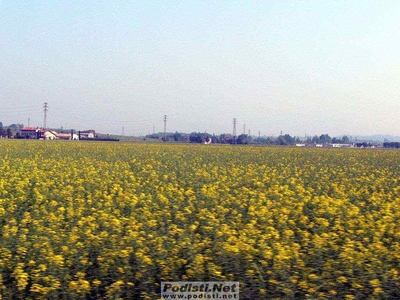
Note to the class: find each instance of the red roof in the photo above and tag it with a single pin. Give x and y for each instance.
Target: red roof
(29, 128)
(45, 130)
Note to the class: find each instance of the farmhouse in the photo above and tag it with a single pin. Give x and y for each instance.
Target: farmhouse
(30, 132)
(67, 136)
(87, 134)
(47, 134)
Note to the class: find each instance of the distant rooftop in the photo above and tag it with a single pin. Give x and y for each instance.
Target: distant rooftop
(29, 128)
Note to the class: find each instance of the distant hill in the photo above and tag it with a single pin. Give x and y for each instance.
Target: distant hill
(377, 138)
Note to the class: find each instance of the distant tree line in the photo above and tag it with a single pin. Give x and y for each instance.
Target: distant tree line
(244, 139)
(364, 145)
(14, 130)
(170, 137)
(395, 145)
(10, 131)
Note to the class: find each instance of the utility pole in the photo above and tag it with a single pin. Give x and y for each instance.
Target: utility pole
(249, 132)
(153, 129)
(165, 127)
(29, 122)
(45, 110)
(123, 131)
(234, 130)
(244, 128)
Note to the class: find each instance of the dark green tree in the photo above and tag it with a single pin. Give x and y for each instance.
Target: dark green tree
(226, 138)
(316, 140)
(271, 140)
(325, 139)
(198, 137)
(242, 139)
(289, 139)
(178, 137)
(285, 140)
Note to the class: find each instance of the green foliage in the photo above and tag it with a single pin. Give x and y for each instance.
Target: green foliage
(344, 140)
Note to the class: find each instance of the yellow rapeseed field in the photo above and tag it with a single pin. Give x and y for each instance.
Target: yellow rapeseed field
(106, 221)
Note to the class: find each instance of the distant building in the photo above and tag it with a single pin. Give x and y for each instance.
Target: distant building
(208, 141)
(342, 145)
(30, 132)
(47, 134)
(87, 134)
(67, 136)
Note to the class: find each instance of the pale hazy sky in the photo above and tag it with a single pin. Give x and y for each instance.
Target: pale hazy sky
(301, 67)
